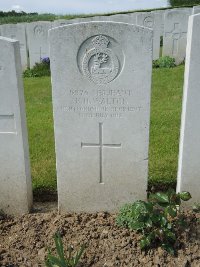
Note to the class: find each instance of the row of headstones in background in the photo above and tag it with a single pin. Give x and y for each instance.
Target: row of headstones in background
(196, 10)
(17, 32)
(33, 38)
(37, 38)
(34, 41)
(175, 33)
(189, 149)
(15, 178)
(149, 20)
(171, 24)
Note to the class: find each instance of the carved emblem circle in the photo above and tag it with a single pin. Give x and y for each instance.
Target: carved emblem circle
(100, 64)
(97, 73)
(148, 22)
(39, 30)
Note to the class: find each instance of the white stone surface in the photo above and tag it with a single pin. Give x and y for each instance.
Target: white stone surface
(1, 30)
(101, 79)
(15, 180)
(60, 22)
(189, 151)
(151, 21)
(160, 20)
(17, 32)
(196, 10)
(175, 34)
(126, 18)
(133, 15)
(37, 37)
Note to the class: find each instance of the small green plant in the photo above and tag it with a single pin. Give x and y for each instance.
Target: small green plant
(39, 70)
(61, 260)
(196, 207)
(164, 62)
(157, 219)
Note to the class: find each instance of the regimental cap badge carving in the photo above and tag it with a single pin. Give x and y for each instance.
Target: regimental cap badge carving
(100, 63)
(100, 42)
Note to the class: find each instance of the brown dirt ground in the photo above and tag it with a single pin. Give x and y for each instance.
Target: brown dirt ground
(23, 240)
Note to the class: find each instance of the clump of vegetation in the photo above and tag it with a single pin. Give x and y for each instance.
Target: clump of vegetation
(158, 219)
(196, 207)
(39, 70)
(174, 3)
(164, 62)
(17, 17)
(60, 260)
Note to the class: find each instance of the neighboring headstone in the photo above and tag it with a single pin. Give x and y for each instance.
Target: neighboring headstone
(134, 16)
(175, 34)
(151, 21)
(189, 152)
(60, 22)
(126, 18)
(15, 179)
(101, 79)
(196, 10)
(17, 32)
(37, 36)
(160, 19)
(185, 9)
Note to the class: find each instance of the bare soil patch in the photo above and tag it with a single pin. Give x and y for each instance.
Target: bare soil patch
(23, 240)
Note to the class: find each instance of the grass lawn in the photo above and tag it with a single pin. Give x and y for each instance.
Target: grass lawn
(40, 129)
(166, 100)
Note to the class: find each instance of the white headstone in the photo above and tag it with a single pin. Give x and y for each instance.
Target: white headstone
(196, 10)
(160, 20)
(60, 22)
(134, 16)
(15, 180)
(101, 78)
(175, 34)
(151, 21)
(126, 18)
(185, 9)
(37, 36)
(189, 153)
(17, 32)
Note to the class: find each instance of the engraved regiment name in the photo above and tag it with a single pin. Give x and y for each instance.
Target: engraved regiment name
(100, 103)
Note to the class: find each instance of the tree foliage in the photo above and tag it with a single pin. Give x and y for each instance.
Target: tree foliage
(13, 13)
(183, 2)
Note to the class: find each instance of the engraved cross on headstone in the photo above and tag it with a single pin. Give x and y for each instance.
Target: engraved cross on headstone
(100, 145)
(175, 34)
